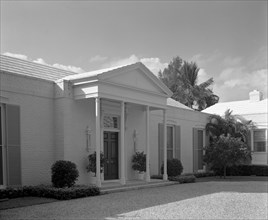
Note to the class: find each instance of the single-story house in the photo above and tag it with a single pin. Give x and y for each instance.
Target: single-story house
(49, 114)
(256, 110)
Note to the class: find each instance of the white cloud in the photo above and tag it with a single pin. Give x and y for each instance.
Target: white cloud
(20, 56)
(42, 61)
(232, 61)
(154, 63)
(97, 58)
(69, 68)
(204, 60)
(202, 76)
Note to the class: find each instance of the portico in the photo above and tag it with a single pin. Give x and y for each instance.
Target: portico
(118, 93)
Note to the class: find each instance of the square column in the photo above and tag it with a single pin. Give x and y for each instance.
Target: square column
(148, 177)
(122, 145)
(165, 176)
(98, 141)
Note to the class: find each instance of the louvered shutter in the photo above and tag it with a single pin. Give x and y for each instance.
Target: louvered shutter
(178, 142)
(160, 146)
(195, 150)
(13, 145)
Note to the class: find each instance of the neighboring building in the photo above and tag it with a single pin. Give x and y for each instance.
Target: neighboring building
(48, 114)
(256, 110)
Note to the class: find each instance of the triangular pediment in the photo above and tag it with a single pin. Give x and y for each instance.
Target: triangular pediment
(137, 77)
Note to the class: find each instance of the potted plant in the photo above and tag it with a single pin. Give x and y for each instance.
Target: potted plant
(139, 163)
(91, 167)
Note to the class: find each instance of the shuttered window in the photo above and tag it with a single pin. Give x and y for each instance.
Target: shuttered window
(173, 143)
(11, 139)
(198, 145)
(259, 140)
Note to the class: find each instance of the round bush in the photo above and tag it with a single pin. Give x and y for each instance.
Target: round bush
(64, 174)
(174, 167)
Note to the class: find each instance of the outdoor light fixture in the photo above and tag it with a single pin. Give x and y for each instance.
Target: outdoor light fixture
(88, 134)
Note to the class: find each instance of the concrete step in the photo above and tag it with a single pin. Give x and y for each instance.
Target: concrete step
(122, 188)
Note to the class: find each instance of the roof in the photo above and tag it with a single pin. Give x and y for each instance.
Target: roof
(239, 107)
(174, 103)
(103, 74)
(29, 68)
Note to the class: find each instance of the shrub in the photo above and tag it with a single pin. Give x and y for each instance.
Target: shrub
(183, 179)
(139, 162)
(50, 192)
(246, 170)
(174, 167)
(64, 174)
(91, 167)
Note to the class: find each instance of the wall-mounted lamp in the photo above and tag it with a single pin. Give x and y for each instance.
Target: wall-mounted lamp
(88, 135)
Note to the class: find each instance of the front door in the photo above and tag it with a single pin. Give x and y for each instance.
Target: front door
(111, 155)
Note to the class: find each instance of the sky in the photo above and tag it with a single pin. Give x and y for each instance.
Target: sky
(227, 39)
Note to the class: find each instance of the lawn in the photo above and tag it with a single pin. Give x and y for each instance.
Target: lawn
(202, 200)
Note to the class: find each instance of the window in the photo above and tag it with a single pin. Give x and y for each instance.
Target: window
(110, 121)
(170, 142)
(259, 140)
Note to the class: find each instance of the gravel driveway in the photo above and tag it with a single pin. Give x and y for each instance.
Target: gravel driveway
(203, 200)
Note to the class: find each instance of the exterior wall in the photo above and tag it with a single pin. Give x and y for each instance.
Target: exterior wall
(187, 120)
(76, 117)
(35, 98)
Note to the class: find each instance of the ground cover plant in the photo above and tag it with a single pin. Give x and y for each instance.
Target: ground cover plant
(47, 191)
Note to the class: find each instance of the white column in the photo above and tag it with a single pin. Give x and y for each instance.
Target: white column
(98, 141)
(148, 178)
(165, 177)
(122, 145)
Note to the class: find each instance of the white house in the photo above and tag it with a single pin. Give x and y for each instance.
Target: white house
(48, 114)
(256, 110)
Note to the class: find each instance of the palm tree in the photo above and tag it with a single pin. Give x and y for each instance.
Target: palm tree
(181, 78)
(233, 125)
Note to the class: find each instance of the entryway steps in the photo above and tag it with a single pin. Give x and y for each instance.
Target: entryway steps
(133, 186)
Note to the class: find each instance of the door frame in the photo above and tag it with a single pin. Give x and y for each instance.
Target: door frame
(118, 145)
(4, 149)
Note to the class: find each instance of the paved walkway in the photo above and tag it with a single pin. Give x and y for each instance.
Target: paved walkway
(203, 200)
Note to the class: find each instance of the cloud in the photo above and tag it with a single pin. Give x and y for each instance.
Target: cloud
(19, 56)
(202, 76)
(42, 61)
(154, 63)
(232, 61)
(204, 60)
(69, 68)
(97, 58)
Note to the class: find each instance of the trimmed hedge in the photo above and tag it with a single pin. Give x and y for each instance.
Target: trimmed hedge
(183, 179)
(50, 192)
(174, 167)
(159, 177)
(245, 170)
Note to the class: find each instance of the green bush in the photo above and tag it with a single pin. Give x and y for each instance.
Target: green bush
(50, 192)
(183, 179)
(64, 174)
(91, 167)
(139, 162)
(174, 167)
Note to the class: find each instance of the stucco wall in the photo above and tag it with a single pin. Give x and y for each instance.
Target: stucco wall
(35, 98)
(187, 120)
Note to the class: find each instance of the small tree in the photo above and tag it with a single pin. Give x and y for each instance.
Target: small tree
(139, 162)
(226, 151)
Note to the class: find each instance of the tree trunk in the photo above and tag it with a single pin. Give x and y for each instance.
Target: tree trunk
(224, 172)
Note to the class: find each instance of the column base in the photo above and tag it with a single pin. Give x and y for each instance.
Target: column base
(98, 183)
(148, 178)
(165, 177)
(123, 181)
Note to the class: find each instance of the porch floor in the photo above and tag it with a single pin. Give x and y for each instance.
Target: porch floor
(111, 187)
